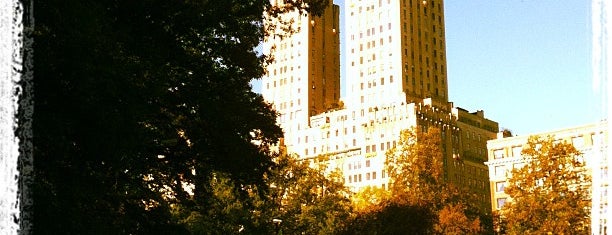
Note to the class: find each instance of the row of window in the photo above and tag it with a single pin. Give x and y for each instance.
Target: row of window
(372, 148)
(373, 84)
(471, 182)
(356, 178)
(577, 141)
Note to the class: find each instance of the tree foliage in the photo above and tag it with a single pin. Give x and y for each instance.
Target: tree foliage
(311, 201)
(420, 201)
(415, 168)
(369, 198)
(550, 192)
(452, 219)
(134, 98)
(390, 217)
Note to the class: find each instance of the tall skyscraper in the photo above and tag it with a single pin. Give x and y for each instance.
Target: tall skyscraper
(396, 52)
(396, 80)
(304, 78)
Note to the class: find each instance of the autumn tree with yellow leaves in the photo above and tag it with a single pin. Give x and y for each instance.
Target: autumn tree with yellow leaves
(550, 193)
(419, 200)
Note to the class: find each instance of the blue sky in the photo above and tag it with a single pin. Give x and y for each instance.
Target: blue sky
(526, 63)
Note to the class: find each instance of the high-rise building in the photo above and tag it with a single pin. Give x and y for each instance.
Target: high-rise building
(395, 52)
(396, 80)
(304, 78)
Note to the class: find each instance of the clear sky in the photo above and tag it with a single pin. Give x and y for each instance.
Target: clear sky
(526, 63)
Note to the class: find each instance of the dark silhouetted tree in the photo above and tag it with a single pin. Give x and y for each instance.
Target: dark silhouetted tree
(135, 98)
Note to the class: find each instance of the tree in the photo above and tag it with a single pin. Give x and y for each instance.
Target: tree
(390, 217)
(134, 98)
(415, 170)
(369, 198)
(309, 200)
(550, 192)
(452, 219)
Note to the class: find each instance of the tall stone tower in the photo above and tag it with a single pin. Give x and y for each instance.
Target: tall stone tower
(395, 80)
(304, 78)
(396, 52)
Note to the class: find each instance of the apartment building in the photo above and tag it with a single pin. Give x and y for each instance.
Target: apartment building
(504, 154)
(395, 80)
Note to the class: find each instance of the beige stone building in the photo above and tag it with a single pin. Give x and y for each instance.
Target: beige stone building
(395, 52)
(304, 78)
(504, 154)
(396, 80)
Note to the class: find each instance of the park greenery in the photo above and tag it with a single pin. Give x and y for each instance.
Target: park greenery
(145, 123)
(418, 201)
(135, 99)
(550, 192)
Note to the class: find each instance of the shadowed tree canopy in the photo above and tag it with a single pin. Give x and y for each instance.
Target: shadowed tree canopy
(157, 90)
(550, 193)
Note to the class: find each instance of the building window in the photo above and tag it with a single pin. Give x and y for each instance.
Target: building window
(500, 186)
(501, 202)
(374, 175)
(578, 141)
(368, 176)
(500, 170)
(499, 153)
(367, 163)
(516, 151)
(518, 165)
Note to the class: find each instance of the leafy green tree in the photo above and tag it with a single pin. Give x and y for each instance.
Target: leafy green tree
(134, 97)
(550, 192)
(310, 201)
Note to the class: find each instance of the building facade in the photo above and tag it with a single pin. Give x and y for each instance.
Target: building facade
(396, 80)
(396, 52)
(504, 154)
(304, 78)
